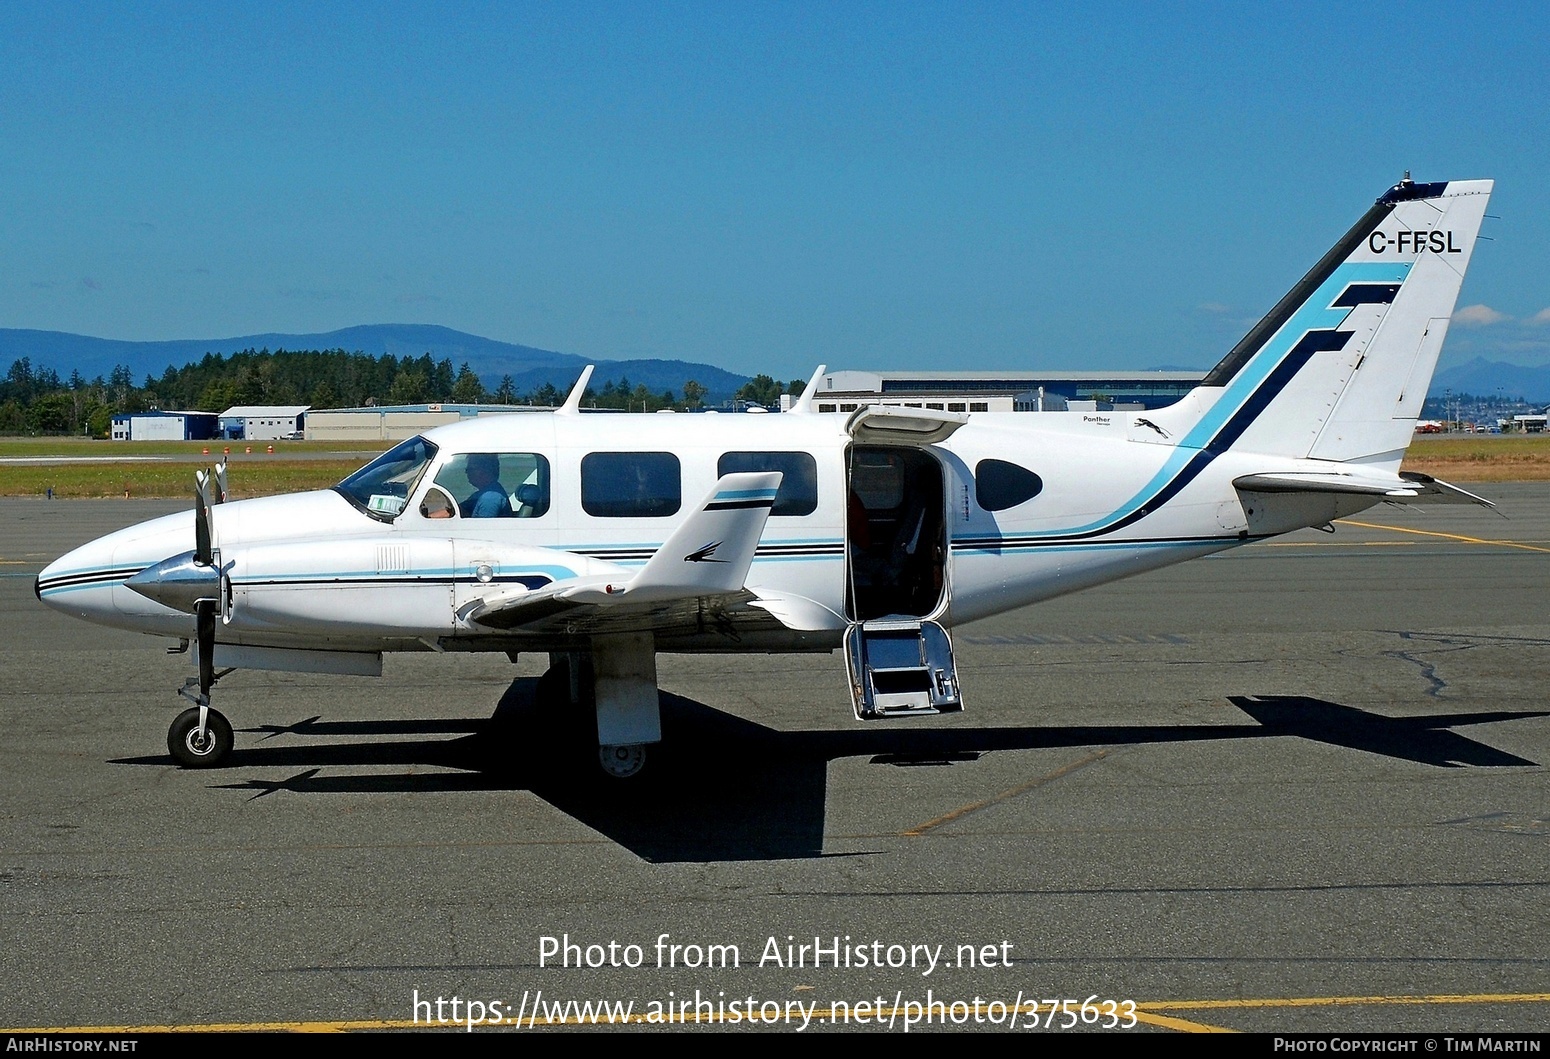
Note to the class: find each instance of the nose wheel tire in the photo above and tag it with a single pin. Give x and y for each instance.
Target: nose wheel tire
(622, 761)
(194, 750)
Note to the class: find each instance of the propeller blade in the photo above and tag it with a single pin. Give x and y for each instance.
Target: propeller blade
(204, 613)
(220, 481)
(203, 547)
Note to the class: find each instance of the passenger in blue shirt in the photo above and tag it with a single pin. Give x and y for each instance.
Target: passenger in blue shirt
(489, 499)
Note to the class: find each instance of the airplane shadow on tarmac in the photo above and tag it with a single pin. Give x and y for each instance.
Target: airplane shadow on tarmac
(723, 788)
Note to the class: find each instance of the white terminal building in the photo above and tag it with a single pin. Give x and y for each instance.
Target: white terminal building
(1000, 391)
(256, 422)
(838, 391)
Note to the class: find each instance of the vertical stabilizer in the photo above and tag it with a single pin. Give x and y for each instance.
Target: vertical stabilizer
(1339, 368)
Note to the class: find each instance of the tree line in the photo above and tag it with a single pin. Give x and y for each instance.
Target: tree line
(37, 400)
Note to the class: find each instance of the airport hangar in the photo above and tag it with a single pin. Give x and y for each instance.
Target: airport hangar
(157, 425)
(1004, 391)
(838, 391)
(252, 422)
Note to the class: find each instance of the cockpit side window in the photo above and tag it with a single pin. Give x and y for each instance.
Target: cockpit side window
(437, 504)
(381, 488)
(497, 484)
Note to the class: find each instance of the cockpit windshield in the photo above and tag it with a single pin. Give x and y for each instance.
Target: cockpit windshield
(382, 487)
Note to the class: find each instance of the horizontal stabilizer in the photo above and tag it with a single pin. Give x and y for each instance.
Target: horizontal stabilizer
(1438, 492)
(1405, 488)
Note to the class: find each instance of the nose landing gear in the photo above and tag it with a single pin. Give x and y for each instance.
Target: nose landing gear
(199, 743)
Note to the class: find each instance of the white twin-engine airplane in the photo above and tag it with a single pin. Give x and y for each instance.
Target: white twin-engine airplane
(604, 539)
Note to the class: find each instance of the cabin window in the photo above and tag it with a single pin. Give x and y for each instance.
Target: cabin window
(999, 485)
(382, 487)
(497, 484)
(798, 493)
(631, 484)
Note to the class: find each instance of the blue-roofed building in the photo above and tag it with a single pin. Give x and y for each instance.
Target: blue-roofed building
(165, 426)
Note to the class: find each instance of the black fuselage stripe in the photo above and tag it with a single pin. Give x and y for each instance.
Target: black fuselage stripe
(533, 581)
(1000, 544)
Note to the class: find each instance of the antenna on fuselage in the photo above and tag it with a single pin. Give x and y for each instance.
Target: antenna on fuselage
(805, 402)
(572, 405)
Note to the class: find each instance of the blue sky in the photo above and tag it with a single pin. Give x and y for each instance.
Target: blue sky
(763, 187)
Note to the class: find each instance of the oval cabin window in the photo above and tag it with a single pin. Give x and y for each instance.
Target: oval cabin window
(999, 485)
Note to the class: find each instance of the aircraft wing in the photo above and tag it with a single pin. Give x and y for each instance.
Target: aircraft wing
(696, 577)
(1407, 487)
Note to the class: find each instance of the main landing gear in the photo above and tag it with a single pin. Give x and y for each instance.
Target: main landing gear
(617, 692)
(622, 761)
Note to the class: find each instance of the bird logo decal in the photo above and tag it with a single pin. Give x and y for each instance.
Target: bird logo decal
(703, 555)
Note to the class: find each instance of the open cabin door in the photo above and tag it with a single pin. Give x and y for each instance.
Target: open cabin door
(899, 659)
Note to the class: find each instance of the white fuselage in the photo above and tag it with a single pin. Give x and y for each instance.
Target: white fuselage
(313, 570)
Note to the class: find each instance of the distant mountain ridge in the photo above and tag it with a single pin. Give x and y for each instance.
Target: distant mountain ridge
(530, 367)
(490, 359)
(1492, 378)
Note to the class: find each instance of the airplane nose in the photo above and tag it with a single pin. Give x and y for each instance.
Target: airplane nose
(90, 582)
(178, 582)
(80, 583)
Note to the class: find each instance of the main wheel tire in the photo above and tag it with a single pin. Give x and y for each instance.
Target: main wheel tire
(189, 750)
(622, 761)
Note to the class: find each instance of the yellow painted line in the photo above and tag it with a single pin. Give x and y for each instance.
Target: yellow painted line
(1346, 1001)
(1446, 536)
(1182, 1025)
(829, 1016)
(1147, 1012)
(995, 799)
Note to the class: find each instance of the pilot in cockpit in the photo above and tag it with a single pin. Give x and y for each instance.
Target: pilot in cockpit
(489, 499)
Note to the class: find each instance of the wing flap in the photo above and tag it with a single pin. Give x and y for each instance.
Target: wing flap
(732, 615)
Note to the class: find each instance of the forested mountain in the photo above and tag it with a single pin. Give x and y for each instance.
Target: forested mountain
(38, 400)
